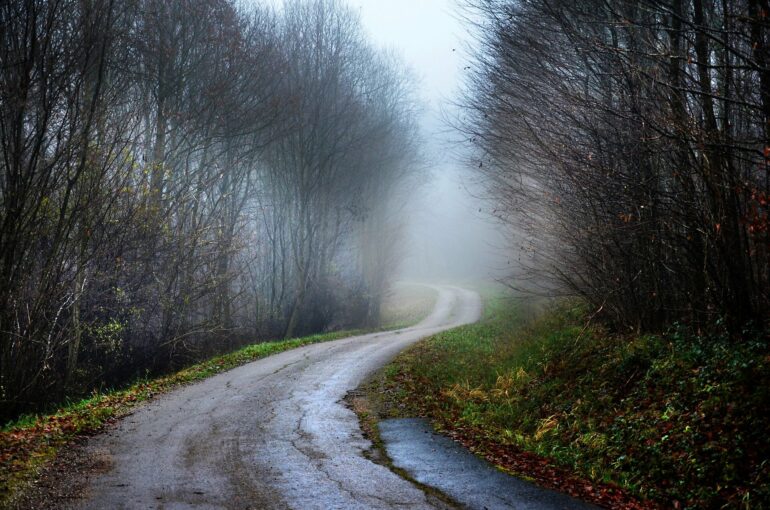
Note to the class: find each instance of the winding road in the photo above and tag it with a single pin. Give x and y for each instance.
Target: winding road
(271, 434)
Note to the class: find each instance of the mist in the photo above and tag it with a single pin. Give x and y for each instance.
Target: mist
(191, 186)
(193, 176)
(450, 233)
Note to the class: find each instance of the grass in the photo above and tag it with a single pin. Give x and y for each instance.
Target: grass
(32, 441)
(677, 420)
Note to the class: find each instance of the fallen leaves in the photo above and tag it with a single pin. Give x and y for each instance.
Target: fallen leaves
(545, 473)
(27, 447)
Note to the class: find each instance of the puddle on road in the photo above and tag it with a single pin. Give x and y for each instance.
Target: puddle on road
(439, 462)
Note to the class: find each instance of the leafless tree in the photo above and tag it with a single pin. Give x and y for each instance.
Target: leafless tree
(179, 177)
(627, 143)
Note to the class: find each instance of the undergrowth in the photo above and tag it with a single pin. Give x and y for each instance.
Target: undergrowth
(33, 440)
(679, 419)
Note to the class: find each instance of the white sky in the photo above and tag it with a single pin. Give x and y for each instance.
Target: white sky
(425, 32)
(430, 36)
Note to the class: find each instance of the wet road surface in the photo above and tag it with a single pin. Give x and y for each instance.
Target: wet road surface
(439, 462)
(271, 434)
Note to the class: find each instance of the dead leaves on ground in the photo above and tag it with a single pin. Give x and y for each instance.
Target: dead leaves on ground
(545, 474)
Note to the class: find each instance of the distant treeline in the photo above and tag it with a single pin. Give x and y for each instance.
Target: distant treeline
(179, 176)
(628, 143)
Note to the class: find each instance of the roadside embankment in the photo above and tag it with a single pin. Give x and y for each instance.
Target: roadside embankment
(625, 421)
(30, 444)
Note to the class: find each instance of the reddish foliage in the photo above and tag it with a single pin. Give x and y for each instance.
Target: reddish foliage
(543, 472)
(19, 446)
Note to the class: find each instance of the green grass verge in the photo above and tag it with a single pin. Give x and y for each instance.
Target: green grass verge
(32, 441)
(679, 419)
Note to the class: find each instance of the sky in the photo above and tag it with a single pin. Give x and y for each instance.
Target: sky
(450, 236)
(429, 36)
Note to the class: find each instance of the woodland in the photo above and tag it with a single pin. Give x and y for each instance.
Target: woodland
(628, 146)
(179, 178)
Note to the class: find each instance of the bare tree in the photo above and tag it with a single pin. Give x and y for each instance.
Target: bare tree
(179, 177)
(625, 141)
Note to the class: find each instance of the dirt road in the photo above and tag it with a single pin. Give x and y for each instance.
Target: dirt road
(271, 434)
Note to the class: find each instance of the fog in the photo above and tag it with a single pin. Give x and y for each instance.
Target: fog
(450, 235)
(193, 176)
(449, 231)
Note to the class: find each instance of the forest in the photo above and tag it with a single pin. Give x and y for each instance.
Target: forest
(627, 145)
(197, 197)
(178, 178)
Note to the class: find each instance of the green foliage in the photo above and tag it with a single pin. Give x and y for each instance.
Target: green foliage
(678, 418)
(107, 335)
(33, 440)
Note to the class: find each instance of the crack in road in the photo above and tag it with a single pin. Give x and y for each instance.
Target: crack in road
(274, 433)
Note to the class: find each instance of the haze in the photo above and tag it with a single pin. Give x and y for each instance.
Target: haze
(286, 219)
(451, 233)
